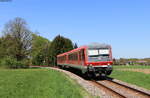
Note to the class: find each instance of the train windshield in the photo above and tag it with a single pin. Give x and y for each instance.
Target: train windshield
(95, 55)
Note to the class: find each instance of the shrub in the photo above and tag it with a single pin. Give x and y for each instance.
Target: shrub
(10, 62)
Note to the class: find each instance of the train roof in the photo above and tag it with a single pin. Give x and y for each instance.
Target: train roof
(89, 46)
(98, 45)
(82, 47)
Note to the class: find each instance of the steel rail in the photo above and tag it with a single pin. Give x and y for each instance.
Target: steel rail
(131, 88)
(122, 86)
(113, 92)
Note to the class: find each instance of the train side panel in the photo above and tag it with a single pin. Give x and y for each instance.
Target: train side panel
(74, 59)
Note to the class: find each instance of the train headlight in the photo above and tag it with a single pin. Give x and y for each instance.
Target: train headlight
(108, 64)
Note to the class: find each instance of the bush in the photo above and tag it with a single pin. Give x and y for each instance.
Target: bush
(10, 62)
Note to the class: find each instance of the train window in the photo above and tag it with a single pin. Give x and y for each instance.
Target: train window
(98, 55)
(70, 57)
(103, 51)
(73, 56)
(97, 52)
(62, 58)
(93, 52)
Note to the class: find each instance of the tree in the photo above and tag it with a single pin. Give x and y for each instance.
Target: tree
(59, 45)
(40, 50)
(1, 49)
(20, 36)
(5, 44)
(75, 46)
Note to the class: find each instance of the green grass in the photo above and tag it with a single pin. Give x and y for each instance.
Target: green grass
(132, 66)
(136, 78)
(38, 83)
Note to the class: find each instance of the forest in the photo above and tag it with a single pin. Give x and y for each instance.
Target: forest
(20, 47)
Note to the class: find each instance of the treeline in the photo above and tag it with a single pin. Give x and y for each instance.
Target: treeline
(131, 61)
(20, 47)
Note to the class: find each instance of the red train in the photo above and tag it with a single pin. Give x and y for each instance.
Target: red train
(94, 59)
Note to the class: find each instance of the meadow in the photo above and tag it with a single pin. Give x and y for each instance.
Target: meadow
(38, 83)
(137, 78)
(133, 66)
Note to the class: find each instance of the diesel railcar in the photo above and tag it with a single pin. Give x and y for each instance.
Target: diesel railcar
(93, 59)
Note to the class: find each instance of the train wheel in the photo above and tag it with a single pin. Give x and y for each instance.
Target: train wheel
(87, 76)
(109, 72)
(59, 66)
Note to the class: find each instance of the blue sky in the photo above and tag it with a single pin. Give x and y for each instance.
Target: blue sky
(124, 24)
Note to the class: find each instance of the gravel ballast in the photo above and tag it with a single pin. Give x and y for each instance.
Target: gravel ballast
(89, 87)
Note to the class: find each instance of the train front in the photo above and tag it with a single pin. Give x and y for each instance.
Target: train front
(99, 59)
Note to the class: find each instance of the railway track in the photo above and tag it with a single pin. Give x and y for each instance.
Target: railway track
(115, 89)
(118, 90)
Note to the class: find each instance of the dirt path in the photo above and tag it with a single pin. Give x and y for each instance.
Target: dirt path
(146, 71)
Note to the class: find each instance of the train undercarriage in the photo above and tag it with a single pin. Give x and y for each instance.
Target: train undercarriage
(98, 71)
(90, 71)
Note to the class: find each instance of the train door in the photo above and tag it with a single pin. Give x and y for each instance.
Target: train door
(81, 57)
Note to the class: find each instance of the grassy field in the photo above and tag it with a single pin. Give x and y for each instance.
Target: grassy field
(136, 78)
(132, 66)
(38, 83)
